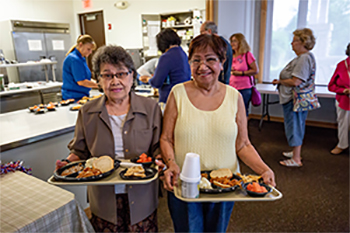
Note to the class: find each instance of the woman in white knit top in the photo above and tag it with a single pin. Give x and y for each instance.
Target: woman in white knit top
(206, 117)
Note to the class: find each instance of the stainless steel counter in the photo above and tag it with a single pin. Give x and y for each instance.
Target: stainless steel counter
(40, 92)
(39, 87)
(22, 127)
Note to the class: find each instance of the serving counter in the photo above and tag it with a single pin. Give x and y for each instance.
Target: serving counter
(28, 94)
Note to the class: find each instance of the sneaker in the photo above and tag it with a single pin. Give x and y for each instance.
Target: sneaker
(288, 154)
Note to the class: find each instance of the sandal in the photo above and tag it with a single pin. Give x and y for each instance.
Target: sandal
(337, 150)
(290, 163)
(288, 154)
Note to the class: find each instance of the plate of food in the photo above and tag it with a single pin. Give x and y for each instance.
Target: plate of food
(82, 101)
(76, 107)
(255, 189)
(138, 173)
(87, 170)
(40, 110)
(53, 103)
(33, 108)
(143, 159)
(65, 102)
(219, 181)
(50, 107)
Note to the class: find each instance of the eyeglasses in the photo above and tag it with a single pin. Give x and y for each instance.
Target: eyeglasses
(208, 61)
(120, 75)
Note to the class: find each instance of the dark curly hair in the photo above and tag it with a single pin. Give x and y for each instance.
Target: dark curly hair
(347, 51)
(215, 42)
(115, 55)
(166, 38)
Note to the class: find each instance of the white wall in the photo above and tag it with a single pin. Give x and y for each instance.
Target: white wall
(236, 16)
(126, 24)
(56, 11)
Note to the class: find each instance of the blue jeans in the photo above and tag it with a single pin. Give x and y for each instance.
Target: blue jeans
(247, 95)
(294, 124)
(199, 216)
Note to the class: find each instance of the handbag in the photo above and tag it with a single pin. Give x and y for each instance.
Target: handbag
(256, 96)
(306, 99)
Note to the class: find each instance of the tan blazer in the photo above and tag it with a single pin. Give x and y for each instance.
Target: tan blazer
(93, 137)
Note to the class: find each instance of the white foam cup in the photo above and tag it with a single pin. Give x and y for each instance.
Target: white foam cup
(190, 176)
(189, 190)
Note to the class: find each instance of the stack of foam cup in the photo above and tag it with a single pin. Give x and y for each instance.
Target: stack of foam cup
(190, 176)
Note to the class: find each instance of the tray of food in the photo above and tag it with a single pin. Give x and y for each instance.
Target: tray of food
(138, 173)
(245, 188)
(88, 170)
(112, 178)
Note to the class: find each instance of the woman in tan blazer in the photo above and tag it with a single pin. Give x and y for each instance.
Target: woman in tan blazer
(120, 124)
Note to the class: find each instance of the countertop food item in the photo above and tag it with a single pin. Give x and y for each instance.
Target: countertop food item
(219, 173)
(77, 107)
(135, 171)
(103, 163)
(82, 101)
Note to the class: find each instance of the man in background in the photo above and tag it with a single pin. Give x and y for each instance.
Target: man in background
(209, 27)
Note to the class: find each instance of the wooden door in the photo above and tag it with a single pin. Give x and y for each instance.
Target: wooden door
(92, 23)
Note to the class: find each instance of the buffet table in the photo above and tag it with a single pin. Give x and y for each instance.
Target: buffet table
(267, 89)
(28, 204)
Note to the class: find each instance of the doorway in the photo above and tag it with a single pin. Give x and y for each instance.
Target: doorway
(92, 23)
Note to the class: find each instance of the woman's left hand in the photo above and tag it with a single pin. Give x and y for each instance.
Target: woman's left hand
(269, 177)
(236, 73)
(161, 166)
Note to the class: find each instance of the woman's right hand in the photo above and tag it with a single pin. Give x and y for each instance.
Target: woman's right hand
(72, 157)
(275, 82)
(171, 176)
(60, 164)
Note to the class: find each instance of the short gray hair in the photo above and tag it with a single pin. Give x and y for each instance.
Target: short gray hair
(211, 25)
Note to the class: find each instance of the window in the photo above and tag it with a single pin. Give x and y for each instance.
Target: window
(329, 20)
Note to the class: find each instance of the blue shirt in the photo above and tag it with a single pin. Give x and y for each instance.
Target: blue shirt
(75, 69)
(173, 64)
(226, 73)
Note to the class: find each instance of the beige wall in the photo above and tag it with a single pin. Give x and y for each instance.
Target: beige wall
(126, 24)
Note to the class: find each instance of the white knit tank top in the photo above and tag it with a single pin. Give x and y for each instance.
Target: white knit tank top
(211, 134)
